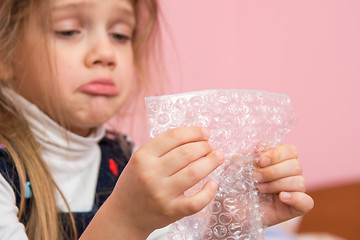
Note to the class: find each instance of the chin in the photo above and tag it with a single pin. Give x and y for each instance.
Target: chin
(98, 119)
(88, 118)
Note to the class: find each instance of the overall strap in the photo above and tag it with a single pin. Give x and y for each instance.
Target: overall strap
(9, 172)
(113, 162)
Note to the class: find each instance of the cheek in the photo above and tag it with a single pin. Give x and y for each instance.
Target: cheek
(127, 83)
(65, 75)
(127, 70)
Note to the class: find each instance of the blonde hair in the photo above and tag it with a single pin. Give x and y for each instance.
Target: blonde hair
(43, 221)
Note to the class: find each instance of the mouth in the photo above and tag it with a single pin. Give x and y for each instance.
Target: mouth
(100, 87)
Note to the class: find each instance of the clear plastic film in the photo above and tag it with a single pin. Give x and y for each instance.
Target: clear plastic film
(242, 124)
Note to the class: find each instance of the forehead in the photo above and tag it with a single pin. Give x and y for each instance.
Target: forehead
(126, 6)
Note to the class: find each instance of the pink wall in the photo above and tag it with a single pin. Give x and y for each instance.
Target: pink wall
(308, 49)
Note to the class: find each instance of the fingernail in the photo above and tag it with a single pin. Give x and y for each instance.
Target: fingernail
(285, 196)
(214, 185)
(220, 156)
(205, 132)
(263, 187)
(258, 176)
(265, 161)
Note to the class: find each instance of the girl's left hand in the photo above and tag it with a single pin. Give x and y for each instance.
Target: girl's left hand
(280, 174)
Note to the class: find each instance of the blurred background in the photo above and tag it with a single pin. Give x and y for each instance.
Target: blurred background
(308, 49)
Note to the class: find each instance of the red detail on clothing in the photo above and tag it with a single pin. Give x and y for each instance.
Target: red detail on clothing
(113, 167)
(110, 136)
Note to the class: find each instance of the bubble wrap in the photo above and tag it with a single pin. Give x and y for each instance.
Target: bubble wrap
(242, 124)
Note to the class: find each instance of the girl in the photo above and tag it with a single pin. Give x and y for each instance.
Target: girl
(66, 67)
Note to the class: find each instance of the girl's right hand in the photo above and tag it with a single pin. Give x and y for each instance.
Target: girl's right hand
(150, 191)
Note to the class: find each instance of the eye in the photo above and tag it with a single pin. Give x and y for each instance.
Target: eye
(67, 33)
(120, 37)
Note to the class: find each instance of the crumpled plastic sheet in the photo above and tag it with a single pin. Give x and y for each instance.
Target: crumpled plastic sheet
(242, 124)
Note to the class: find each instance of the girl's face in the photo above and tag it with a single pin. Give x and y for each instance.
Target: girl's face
(91, 53)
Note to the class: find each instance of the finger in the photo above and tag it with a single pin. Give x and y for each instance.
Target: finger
(180, 157)
(279, 154)
(194, 203)
(300, 202)
(173, 138)
(285, 169)
(195, 172)
(288, 184)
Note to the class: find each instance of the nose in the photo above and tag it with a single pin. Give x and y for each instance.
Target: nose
(100, 52)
